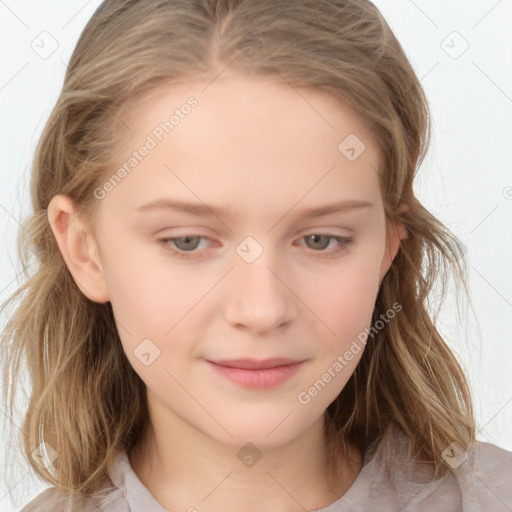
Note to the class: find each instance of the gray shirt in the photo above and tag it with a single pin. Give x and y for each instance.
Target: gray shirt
(389, 481)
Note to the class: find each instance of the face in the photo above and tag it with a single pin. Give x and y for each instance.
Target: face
(261, 269)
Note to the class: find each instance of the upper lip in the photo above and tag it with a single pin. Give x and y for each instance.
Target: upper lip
(255, 364)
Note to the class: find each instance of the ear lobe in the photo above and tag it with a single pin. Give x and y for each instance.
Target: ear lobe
(78, 248)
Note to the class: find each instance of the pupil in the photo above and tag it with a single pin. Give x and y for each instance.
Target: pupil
(316, 239)
(187, 241)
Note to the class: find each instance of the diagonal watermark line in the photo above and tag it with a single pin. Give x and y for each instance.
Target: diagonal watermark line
(492, 492)
(501, 409)
(11, 281)
(198, 301)
(301, 300)
(217, 75)
(198, 197)
(216, 487)
(374, 170)
(76, 14)
(286, 491)
(301, 198)
(119, 323)
(13, 422)
(19, 19)
(12, 217)
(198, 402)
(424, 14)
(481, 431)
(405, 94)
(484, 218)
(492, 81)
(493, 287)
(280, 423)
(421, 79)
(299, 94)
(14, 76)
(498, 2)
(424, 75)
(96, 509)
(14, 486)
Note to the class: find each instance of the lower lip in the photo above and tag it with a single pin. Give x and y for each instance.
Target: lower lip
(258, 379)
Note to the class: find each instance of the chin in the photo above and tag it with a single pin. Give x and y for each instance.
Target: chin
(273, 432)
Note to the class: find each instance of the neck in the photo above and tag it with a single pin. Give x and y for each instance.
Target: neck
(189, 472)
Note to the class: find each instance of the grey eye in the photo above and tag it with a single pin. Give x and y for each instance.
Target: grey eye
(318, 241)
(187, 243)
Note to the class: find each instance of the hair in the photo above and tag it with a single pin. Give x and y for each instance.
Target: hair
(407, 375)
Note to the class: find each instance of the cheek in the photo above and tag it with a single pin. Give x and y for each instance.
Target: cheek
(149, 296)
(345, 300)
(348, 315)
(155, 313)
(345, 305)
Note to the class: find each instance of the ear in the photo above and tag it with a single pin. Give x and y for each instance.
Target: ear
(395, 232)
(78, 248)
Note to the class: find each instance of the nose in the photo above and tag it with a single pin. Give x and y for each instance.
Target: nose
(258, 299)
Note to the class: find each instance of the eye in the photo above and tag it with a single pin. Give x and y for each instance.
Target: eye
(319, 242)
(182, 245)
(188, 245)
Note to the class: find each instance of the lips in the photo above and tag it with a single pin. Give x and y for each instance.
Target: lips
(253, 374)
(255, 364)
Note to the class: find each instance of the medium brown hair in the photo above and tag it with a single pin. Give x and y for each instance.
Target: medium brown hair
(86, 400)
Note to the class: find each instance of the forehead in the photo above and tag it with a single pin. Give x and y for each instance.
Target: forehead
(236, 101)
(234, 136)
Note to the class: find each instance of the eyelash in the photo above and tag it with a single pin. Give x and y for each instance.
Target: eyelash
(345, 242)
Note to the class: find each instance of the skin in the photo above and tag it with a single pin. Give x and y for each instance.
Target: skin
(266, 153)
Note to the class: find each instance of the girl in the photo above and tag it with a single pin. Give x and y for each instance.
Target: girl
(229, 309)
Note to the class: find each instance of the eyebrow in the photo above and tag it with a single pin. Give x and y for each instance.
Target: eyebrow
(202, 209)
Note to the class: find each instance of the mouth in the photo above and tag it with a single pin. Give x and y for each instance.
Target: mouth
(257, 374)
(255, 364)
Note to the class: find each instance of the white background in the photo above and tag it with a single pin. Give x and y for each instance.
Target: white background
(466, 179)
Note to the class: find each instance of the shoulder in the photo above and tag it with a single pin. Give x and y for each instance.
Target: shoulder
(110, 498)
(393, 479)
(483, 477)
(50, 500)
